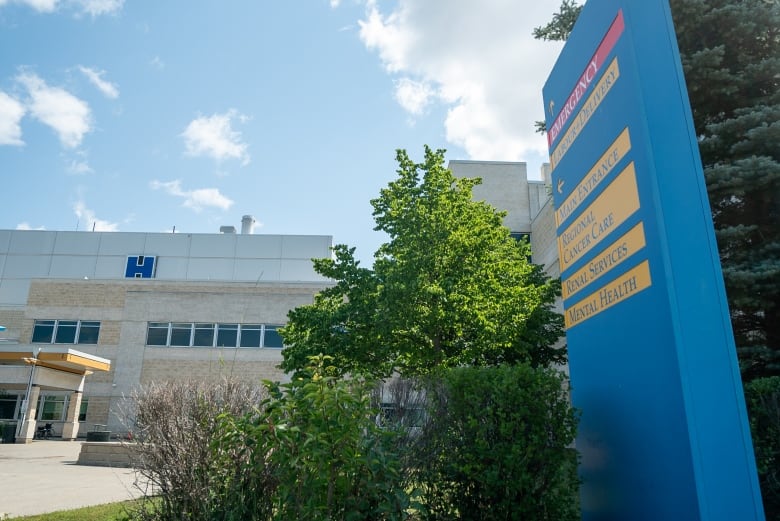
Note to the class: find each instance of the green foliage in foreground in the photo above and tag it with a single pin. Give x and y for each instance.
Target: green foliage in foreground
(763, 401)
(494, 445)
(498, 446)
(108, 512)
(316, 453)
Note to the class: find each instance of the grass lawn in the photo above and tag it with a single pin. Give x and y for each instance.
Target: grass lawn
(108, 512)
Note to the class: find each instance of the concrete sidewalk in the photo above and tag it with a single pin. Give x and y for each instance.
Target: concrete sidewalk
(42, 476)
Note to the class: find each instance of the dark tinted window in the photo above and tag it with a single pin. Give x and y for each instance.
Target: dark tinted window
(43, 331)
(157, 335)
(88, 332)
(66, 332)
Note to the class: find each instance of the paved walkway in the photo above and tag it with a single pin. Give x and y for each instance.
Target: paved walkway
(42, 476)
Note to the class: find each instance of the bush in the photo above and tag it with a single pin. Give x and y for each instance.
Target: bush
(763, 401)
(328, 457)
(497, 445)
(174, 426)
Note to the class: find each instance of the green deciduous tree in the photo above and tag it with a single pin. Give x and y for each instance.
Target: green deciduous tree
(730, 51)
(450, 288)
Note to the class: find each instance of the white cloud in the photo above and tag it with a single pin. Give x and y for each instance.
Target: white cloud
(482, 63)
(79, 167)
(89, 222)
(108, 89)
(69, 116)
(194, 199)
(213, 136)
(11, 114)
(26, 225)
(99, 7)
(413, 96)
(90, 7)
(42, 6)
(157, 63)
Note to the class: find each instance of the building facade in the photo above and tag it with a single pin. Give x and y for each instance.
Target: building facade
(175, 306)
(157, 306)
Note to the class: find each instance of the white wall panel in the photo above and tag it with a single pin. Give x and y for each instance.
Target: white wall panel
(172, 244)
(171, 268)
(210, 269)
(122, 243)
(213, 246)
(257, 269)
(5, 240)
(77, 243)
(305, 247)
(72, 266)
(110, 267)
(259, 246)
(32, 242)
(27, 266)
(298, 270)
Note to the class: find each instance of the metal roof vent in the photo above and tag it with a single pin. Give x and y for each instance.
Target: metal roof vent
(247, 225)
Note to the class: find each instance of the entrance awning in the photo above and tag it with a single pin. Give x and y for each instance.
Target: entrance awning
(58, 358)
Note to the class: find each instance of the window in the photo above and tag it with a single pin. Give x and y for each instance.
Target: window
(157, 334)
(88, 332)
(204, 335)
(188, 334)
(521, 236)
(251, 335)
(43, 331)
(51, 408)
(66, 332)
(83, 409)
(227, 335)
(272, 338)
(9, 406)
(181, 334)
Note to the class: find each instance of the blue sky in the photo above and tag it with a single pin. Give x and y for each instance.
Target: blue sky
(148, 115)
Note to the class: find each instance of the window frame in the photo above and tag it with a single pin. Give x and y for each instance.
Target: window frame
(227, 335)
(59, 326)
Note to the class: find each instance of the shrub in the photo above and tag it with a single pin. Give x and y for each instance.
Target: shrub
(497, 445)
(331, 459)
(174, 426)
(763, 401)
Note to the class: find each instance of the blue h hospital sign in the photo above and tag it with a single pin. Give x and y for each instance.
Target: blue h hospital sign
(664, 431)
(140, 267)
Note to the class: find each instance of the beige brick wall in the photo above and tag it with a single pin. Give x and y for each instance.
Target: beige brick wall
(97, 412)
(209, 371)
(109, 332)
(76, 294)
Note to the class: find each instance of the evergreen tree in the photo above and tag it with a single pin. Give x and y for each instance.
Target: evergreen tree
(450, 288)
(730, 51)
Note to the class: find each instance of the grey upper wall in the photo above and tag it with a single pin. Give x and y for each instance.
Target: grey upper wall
(505, 186)
(31, 254)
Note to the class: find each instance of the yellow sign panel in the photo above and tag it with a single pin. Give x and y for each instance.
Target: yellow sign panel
(613, 206)
(588, 109)
(606, 163)
(613, 255)
(623, 287)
